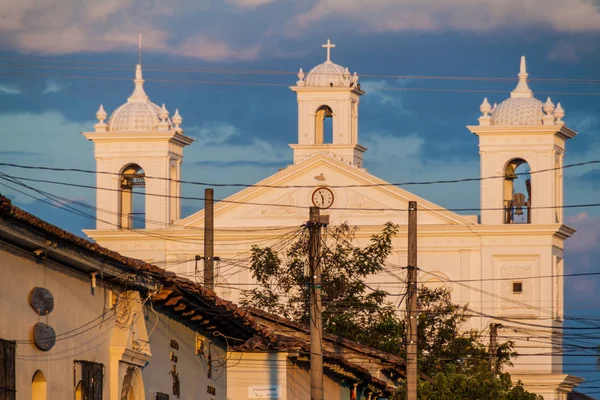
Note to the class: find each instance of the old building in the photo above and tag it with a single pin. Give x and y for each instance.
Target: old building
(506, 263)
(81, 321)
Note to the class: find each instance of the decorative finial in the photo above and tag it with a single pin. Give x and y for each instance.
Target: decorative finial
(328, 46)
(559, 113)
(177, 120)
(355, 77)
(301, 74)
(485, 107)
(548, 107)
(163, 114)
(138, 92)
(101, 116)
(494, 107)
(522, 89)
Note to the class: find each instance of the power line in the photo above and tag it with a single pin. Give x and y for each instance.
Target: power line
(62, 183)
(76, 64)
(268, 84)
(259, 185)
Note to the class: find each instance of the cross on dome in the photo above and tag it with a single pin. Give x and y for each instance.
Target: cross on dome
(328, 46)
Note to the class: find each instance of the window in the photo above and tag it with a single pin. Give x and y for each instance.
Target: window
(7, 370)
(133, 199)
(38, 386)
(162, 396)
(92, 379)
(517, 287)
(323, 125)
(517, 192)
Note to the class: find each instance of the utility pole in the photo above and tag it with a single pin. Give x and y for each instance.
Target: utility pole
(209, 239)
(316, 322)
(494, 347)
(411, 304)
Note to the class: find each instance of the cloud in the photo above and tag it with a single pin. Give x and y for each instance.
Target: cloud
(54, 86)
(588, 232)
(214, 132)
(201, 46)
(379, 91)
(71, 26)
(249, 3)
(462, 15)
(569, 51)
(7, 88)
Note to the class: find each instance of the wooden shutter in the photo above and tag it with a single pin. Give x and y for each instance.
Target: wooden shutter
(92, 380)
(8, 382)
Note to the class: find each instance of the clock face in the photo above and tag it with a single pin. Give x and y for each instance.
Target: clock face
(322, 197)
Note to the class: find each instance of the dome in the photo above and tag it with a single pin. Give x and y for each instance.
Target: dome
(328, 74)
(135, 116)
(518, 111)
(139, 114)
(521, 108)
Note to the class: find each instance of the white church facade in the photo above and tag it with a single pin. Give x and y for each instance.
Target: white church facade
(506, 263)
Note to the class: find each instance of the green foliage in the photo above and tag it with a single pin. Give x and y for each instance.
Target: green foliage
(456, 360)
(350, 308)
(480, 384)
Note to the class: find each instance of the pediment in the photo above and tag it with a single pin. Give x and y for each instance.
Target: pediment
(284, 199)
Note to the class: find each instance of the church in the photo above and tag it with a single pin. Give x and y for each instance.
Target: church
(506, 263)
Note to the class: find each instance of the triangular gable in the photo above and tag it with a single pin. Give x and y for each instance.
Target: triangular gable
(373, 204)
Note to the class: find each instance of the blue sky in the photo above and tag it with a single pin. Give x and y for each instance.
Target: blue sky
(62, 59)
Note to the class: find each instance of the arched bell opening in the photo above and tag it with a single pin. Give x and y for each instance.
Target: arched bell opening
(38, 386)
(323, 125)
(133, 197)
(517, 192)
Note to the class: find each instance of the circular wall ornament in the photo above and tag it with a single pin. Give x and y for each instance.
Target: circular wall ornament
(322, 197)
(41, 300)
(44, 336)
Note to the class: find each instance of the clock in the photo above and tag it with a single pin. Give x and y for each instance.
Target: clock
(322, 197)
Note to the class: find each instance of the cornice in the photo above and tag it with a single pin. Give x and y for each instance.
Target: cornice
(138, 136)
(559, 130)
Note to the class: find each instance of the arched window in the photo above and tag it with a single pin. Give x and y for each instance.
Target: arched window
(133, 199)
(38, 386)
(517, 192)
(323, 125)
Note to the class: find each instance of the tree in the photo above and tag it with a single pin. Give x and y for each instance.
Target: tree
(350, 307)
(454, 359)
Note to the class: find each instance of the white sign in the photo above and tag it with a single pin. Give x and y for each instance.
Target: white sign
(264, 392)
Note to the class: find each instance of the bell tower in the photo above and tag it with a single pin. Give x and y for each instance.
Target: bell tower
(521, 147)
(138, 154)
(328, 98)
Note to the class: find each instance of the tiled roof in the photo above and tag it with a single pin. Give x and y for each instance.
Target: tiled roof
(195, 305)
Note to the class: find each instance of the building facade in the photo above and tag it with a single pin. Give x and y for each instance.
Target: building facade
(506, 264)
(78, 321)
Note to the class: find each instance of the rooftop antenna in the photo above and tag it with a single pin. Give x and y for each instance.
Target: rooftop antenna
(140, 50)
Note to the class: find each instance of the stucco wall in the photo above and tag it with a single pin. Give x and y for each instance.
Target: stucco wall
(83, 334)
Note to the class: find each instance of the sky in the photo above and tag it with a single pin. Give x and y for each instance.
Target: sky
(60, 60)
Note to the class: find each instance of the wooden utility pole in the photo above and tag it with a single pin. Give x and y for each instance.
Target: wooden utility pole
(209, 239)
(493, 348)
(411, 304)
(316, 322)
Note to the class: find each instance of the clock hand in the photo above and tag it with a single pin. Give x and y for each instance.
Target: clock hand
(322, 198)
